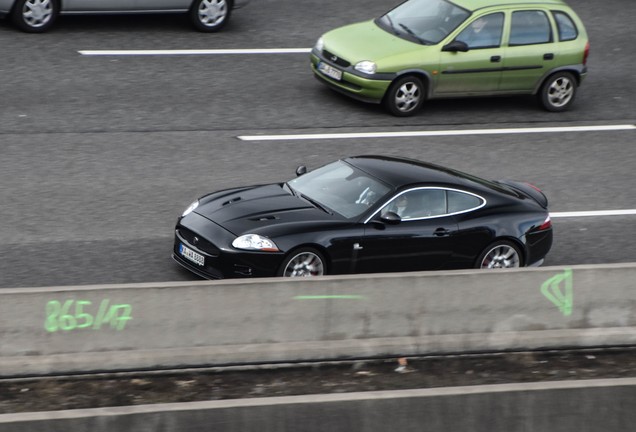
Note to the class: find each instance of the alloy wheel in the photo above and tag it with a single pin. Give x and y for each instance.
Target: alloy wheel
(407, 97)
(560, 92)
(501, 256)
(304, 264)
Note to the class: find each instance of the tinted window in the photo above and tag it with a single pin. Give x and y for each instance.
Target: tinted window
(484, 32)
(459, 201)
(418, 203)
(530, 27)
(567, 28)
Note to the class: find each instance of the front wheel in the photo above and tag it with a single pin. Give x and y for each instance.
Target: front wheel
(500, 254)
(405, 96)
(34, 16)
(210, 15)
(304, 262)
(558, 92)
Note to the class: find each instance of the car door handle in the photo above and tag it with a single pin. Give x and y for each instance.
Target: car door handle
(495, 59)
(442, 232)
(548, 56)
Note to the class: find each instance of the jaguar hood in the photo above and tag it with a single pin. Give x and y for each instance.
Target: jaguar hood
(249, 210)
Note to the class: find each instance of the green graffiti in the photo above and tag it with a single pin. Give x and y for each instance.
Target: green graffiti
(65, 317)
(559, 294)
(323, 297)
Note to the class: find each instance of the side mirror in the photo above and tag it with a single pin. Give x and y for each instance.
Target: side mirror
(456, 46)
(301, 170)
(391, 218)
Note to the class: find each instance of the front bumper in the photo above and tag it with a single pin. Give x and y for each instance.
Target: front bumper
(353, 83)
(221, 261)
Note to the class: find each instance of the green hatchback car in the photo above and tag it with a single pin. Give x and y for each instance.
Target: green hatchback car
(428, 49)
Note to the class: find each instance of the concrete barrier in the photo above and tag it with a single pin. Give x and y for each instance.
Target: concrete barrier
(566, 406)
(120, 327)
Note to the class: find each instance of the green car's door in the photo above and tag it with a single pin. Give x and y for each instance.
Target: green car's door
(478, 70)
(530, 53)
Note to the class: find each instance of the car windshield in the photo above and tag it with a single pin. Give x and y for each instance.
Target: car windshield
(340, 187)
(423, 21)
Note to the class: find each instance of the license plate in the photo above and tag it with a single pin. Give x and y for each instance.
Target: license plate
(331, 72)
(188, 253)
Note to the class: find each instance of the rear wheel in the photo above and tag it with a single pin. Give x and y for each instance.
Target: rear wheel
(405, 96)
(558, 92)
(34, 16)
(500, 254)
(210, 15)
(304, 262)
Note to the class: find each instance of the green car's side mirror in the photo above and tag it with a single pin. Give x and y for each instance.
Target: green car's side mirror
(456, 46)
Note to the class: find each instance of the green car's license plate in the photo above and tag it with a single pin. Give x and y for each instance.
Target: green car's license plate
(331, 72)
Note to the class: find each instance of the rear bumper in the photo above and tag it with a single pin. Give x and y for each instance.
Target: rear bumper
(537, 246)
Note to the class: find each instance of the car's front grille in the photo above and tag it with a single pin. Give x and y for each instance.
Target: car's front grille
(198, 241)
(335, 59)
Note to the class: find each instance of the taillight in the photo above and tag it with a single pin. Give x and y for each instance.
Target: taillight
(547, 223)
(586, 53)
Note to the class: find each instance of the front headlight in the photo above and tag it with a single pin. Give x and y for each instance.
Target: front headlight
(190, 208)
(366, 66)
(319, 45)
(254, 242)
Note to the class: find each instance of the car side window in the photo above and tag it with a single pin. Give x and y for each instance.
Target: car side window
(460, 202)
(418, 204)
(529, 28)
(484, 32)
(566, 27)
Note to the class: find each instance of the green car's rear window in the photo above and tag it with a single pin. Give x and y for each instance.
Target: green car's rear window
(567, 28)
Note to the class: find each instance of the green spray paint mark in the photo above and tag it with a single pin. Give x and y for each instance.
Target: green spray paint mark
(65, 317)
(560, 296)
(323, 297)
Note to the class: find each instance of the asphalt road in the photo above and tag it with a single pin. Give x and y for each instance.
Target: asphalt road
(99, 154)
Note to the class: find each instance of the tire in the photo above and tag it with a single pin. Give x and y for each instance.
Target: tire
(34, 16)
(500, 254)
(210, 15)
(405, 96)
(303, 262)
(558, 92)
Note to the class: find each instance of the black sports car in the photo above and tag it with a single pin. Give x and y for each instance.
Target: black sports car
(365, 214)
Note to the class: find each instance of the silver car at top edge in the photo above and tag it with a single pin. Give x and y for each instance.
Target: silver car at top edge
(37, 16)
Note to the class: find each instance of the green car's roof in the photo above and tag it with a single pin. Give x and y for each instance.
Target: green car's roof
(473, 5)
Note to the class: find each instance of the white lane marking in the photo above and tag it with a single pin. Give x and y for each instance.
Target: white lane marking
(193, 52)
(591, 128)
(593, 213)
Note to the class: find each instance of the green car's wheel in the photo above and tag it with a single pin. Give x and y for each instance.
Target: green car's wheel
(34, 16)
(558, 92)
(405, 96)
(210, 15)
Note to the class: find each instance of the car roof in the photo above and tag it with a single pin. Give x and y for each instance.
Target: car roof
(473, 5)
(399, 172)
